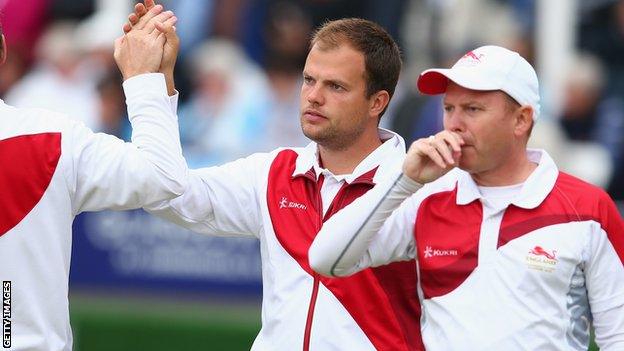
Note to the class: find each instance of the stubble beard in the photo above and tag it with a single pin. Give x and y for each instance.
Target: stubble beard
(332, 138)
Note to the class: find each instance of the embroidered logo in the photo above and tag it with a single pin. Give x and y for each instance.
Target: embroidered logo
(284, 203)
(472, 55)
(538, 251)
(431, 252)
(470, 59)
(542, 260)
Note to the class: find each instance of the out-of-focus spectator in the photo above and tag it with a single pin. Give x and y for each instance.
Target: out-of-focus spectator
(591, 113)
(418, 117)
(286, 33)
(601, 32)
(195, 24)
(223, 118)
(437, 29)
(72, 10)
(94, 37)
(113, 118)
(56, 82)
(577, 139)
(22, 23)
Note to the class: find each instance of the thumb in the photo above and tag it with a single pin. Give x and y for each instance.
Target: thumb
(168, 29)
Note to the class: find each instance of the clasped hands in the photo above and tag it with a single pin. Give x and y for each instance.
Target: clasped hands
(149, 44)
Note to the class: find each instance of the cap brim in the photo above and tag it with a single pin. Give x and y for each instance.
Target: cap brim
(435, 81)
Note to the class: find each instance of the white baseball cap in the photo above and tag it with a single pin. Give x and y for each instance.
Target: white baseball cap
(487, 68)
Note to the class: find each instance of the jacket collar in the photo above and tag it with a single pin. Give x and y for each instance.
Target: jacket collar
(387, 158)
(534, 190)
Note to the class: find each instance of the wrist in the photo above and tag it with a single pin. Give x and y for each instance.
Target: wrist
(170, 83)
(129, 74)
(408, 184)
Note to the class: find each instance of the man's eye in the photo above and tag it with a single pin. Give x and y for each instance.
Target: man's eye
(336, 86)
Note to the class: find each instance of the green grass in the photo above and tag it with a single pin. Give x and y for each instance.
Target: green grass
(156, 324)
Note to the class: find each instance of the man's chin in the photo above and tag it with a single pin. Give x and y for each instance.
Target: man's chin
(312, 132)
(316, 137)
(466, 165)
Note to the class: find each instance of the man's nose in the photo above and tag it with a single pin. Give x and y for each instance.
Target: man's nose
(315, 95)
(454, 122)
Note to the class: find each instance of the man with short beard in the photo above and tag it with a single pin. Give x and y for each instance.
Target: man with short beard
(283, 197)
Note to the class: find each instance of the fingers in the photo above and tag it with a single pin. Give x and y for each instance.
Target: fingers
(443, 147)
(132, 20)
(448, 145)
(165, 31)
(160, 38)
(149, 4)
(427, 150)
(161, 18)
(144, 20)
(167, 27)
(140, 10)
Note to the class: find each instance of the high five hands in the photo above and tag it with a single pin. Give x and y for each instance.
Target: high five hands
(149, 43)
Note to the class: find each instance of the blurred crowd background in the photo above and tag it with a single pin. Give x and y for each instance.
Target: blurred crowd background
(239, 77)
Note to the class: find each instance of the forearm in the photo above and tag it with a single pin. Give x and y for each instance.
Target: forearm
(156, 134)
(110, 174)
(339, 249)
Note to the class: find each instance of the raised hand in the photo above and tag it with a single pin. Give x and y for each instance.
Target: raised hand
(430, 158)
(140, 9)
(172, 43)
(141, 49)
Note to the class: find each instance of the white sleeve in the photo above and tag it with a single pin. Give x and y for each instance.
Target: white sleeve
(608, 326)
(375, 235)
(604, 275)
(220, 200)
(107, 173)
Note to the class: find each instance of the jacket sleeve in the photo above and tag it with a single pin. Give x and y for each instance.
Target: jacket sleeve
(604, 274)
(221, 200)
(108, 173)
(379, 231)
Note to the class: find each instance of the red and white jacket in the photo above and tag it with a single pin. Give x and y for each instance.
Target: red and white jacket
(282, 198)
(54, 168)
(528, 276)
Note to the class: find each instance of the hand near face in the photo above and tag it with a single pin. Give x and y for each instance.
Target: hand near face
(430, 158)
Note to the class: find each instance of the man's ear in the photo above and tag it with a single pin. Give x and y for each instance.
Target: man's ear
(524, 121)
(3, 49)
(379, 102)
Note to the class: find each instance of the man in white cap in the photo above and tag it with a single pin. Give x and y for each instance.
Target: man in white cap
(512, 254)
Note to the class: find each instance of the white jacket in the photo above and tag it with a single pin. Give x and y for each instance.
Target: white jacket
(530, 275)
(54, 168)
(282, 199)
